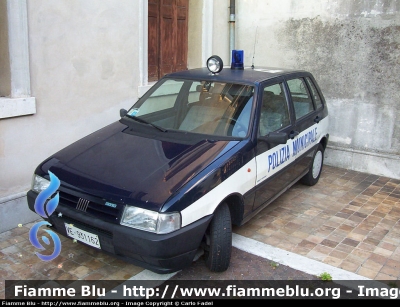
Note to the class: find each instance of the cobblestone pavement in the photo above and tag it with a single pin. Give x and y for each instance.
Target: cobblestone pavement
(349, 220)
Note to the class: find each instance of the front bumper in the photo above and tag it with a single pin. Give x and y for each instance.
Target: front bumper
(160, 253)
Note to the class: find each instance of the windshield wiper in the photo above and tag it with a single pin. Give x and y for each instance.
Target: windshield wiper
(140, 120)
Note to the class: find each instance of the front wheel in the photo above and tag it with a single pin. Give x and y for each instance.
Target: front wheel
(218, 240)
(314, 172)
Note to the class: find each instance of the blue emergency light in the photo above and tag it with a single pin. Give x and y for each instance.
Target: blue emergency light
(237, 59)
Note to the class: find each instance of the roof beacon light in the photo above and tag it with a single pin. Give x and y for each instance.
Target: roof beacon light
(214, 64)
(237, 59)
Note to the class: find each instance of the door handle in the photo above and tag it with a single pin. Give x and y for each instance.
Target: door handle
(317, 119)
(293, 133)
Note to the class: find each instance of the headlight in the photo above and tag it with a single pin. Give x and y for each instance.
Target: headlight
(151, 221)
(39, 183)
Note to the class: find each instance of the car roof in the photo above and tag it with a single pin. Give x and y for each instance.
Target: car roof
(247, 75)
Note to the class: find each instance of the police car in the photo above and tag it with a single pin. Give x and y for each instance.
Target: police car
(202, 150)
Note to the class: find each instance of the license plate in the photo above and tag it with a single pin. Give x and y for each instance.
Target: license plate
(83, 236)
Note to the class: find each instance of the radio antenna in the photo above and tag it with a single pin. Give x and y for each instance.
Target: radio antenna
(254, 51)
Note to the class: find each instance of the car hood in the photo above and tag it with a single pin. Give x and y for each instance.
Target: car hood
(130, 169)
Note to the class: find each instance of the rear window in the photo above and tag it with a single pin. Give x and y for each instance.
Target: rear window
(317, 98)
(302, 101)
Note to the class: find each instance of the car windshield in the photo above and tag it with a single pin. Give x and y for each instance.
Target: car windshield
(203, 107)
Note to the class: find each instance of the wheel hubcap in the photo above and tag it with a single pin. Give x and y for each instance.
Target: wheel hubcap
(317, 164)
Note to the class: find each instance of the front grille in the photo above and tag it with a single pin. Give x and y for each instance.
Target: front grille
(92, 206)
(82, 204)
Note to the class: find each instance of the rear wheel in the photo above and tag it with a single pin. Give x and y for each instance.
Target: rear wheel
(314, 172)
(218, 240)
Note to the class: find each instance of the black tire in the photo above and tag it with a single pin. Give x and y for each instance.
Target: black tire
(218, 240)
(314, 172)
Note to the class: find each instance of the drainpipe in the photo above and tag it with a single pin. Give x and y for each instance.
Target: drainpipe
(232, 27)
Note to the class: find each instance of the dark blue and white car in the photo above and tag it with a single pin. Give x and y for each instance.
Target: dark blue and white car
(202, 150)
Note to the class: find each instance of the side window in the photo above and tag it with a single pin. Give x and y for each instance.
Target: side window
(302, 101)
(194, 92)
(274, 110)
(317, 98)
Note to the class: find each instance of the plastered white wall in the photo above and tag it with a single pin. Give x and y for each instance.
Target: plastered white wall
(353, 50)
(84, 68)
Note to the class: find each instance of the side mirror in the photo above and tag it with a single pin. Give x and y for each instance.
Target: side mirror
(275, 138)
(123, 112)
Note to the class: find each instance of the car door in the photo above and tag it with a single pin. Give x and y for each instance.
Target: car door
(306, 109)
(274, 161)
